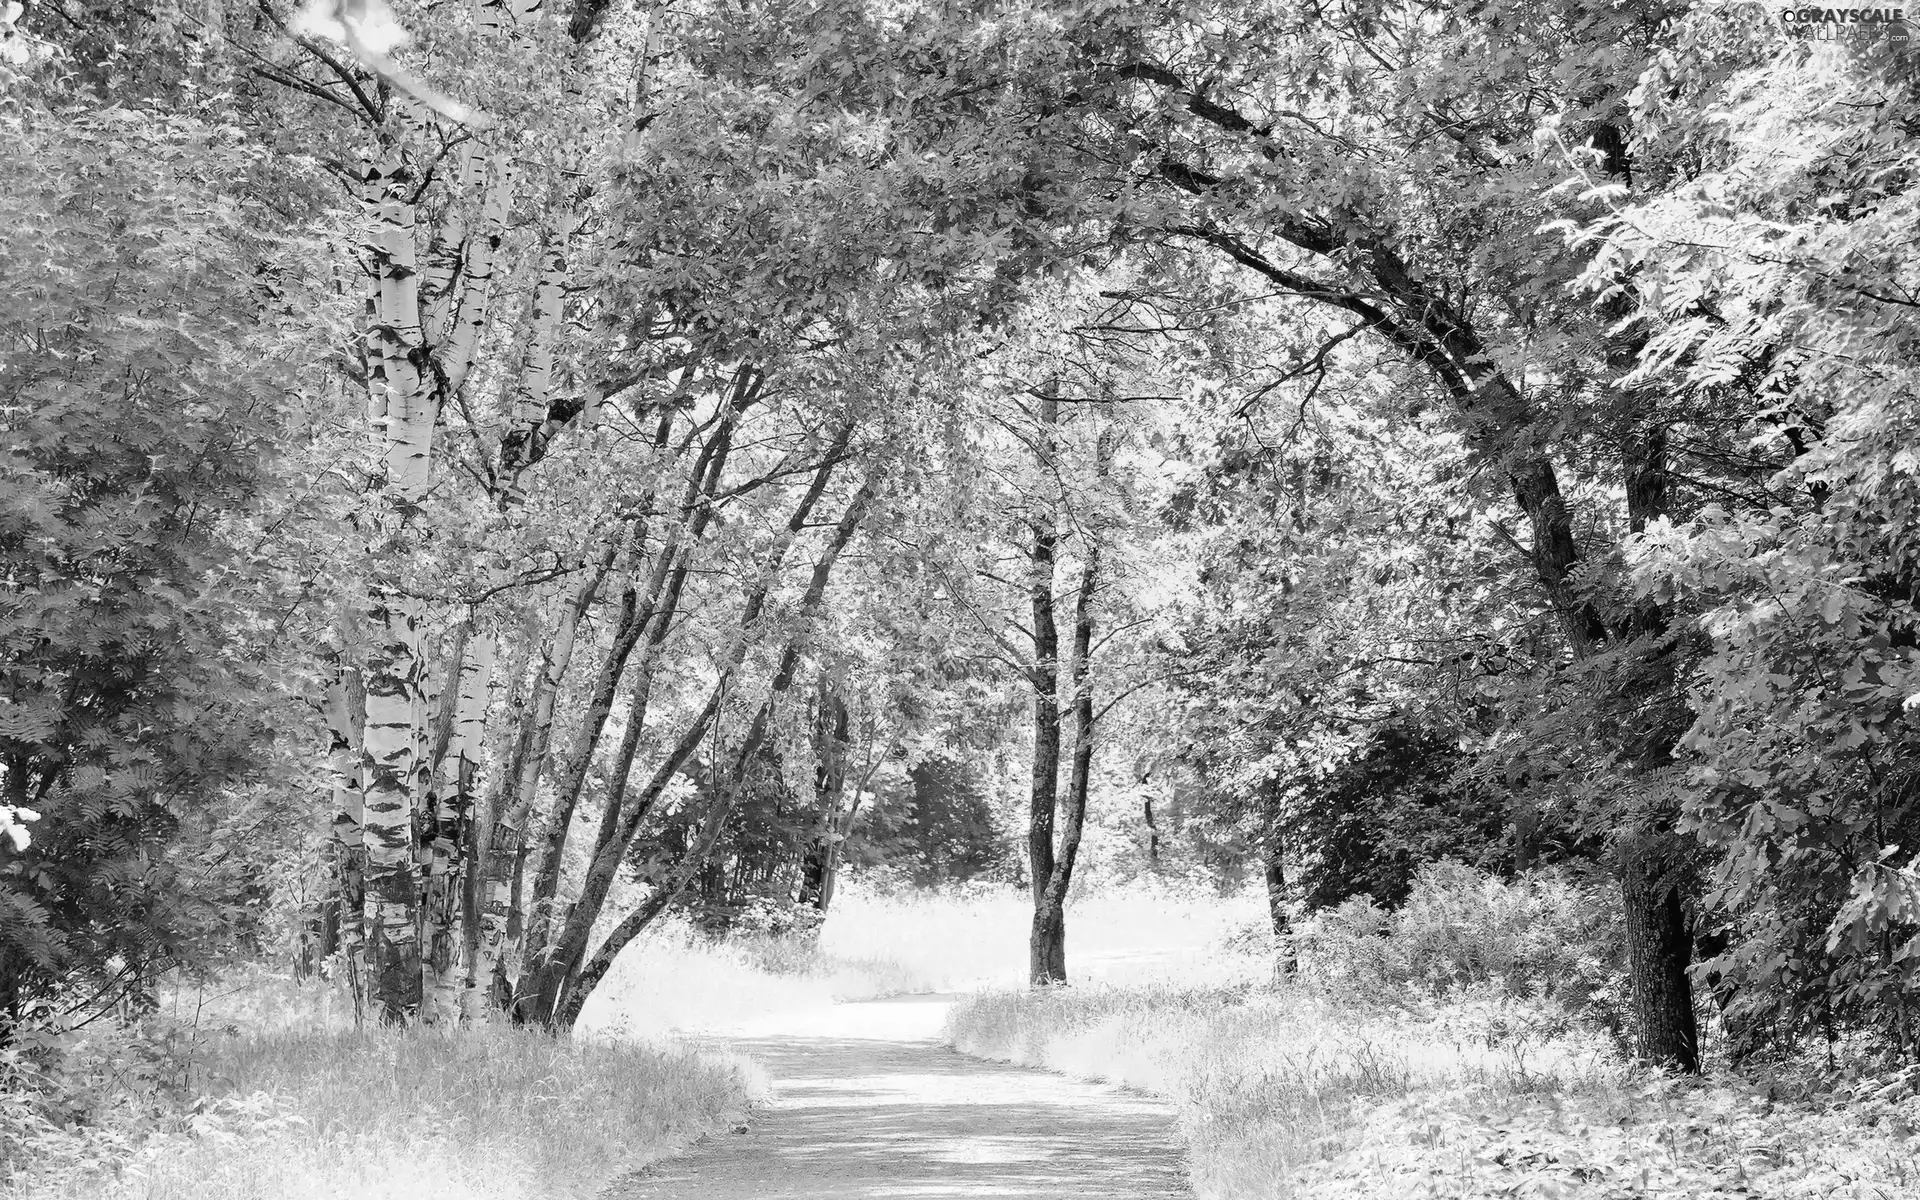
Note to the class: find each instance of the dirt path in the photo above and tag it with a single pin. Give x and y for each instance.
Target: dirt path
(868, 1104)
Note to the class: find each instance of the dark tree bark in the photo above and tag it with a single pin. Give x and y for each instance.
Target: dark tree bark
(649, 614)
(1273, 847)
(1153, 829)
(1660, 952)
(1046, 943)
(830, 737)
(1648, 853)
(570, 974)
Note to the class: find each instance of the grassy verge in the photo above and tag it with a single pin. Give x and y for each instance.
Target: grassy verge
(1454, 1048)
(1283, 1094)
(276, 1103)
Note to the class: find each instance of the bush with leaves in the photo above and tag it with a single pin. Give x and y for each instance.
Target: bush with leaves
(1768, 238)
(1546, 935)
(1402, 801)
(139, 397)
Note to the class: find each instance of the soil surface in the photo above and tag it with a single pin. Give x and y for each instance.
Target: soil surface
(868, 1103)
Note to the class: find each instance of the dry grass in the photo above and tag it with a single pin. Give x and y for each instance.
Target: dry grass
(1267, 1080)
(1285, 1093)
(292, 1107)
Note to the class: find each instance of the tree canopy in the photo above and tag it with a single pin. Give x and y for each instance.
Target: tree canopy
(490, 474)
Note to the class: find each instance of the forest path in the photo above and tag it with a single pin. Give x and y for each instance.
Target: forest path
(869, 1104)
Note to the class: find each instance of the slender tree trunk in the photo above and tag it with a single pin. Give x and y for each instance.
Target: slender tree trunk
(1273, 867)
(485, 932)
(441, 982)
(347, 851)
(1047, 949)
(647, 616)
(1153, 828)
(556, 958)
(830, 736)
(1046, 941)
(502, 918)
(573, 772)
(582, 973)
(507, 967)
(570, 996)
(1048, 932)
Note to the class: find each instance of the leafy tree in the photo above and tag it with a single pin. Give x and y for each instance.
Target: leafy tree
(1401, 802)
(939, 829)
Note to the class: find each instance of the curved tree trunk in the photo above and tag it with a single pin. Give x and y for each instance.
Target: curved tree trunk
(565, 997)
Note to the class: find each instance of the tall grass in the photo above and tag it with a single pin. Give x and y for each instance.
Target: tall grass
(1455, 1048)
(1269, 1080)
(286, 1105)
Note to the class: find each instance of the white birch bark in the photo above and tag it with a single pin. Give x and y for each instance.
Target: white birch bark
(388, 762)
(441, 976)
(346, 847)
(401, 401)
(489, 931)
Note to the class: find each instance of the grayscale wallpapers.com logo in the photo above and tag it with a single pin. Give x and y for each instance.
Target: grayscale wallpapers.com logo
(1827, 24)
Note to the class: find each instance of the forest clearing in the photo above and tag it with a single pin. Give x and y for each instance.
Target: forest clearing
(959, 597)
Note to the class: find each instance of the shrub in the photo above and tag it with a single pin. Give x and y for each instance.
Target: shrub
(1546, 935)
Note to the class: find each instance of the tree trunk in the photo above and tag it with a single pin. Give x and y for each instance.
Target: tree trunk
(1046, 943)
(506, 968)
(1050, 915)
(1660, 952)
(560, 999)
(393, 691)
(447, 830)
(501, 919)
(343, 910)
(1659, 945)
(645, 620)
(1052, 866)
(541, 996)
(830, 737)
(485, 876)
(539, 741)
(1153, 828)
(1273, 867)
